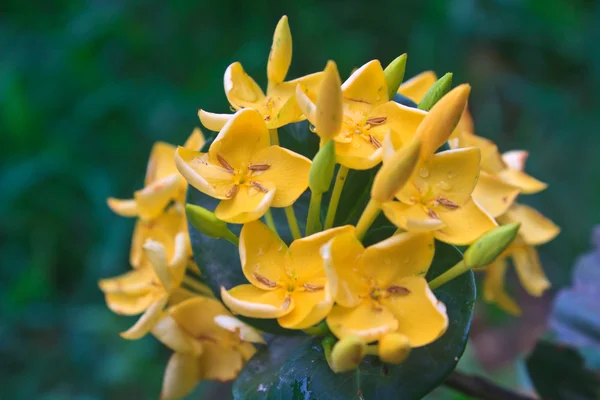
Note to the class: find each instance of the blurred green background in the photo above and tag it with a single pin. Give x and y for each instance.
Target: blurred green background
(87, 86)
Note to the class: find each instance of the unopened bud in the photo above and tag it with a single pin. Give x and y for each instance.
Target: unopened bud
(394, 74)
(207, 223)
(329, 111)
(396, 172)
(347, 354)
(436, 92)
(490, 245)
(321, 170)
(281, 52)
(394, 348)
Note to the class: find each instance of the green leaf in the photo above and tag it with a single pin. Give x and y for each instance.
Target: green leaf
(306, 375)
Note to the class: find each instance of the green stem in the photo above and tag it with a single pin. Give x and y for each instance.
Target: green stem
(318, 330)
(457, 270)
(270, 221)
(367, 218)
(313, 222)
(274, 137)
(327, 344)
(196, 286)
(372, 350)
(340, 179)
(292, 222)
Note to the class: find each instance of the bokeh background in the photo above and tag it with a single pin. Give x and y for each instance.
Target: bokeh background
(87, 86)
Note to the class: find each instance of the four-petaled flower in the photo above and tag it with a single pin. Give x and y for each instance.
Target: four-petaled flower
(285, 283)
(382, 288)
(244, 171)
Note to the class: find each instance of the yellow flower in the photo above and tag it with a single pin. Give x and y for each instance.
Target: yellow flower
(368, 117)
(382, 289)
(278, 107)
(209, 344)
(285, 283)
(416, 87)
(243, 171)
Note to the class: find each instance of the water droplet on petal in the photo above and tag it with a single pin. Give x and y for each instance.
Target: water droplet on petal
(423, 172)
(445, 185)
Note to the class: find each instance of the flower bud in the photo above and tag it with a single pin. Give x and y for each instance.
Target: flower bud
(321, 170)
(436, 92)
(347, 354)
(394, 74)
(490, 245)
(395, 172)
(393, 348)
(329, 111)
(207, 223)
(280, 57)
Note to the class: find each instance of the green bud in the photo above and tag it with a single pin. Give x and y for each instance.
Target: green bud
(207, 223)
(490, 245)
(394, 74)
(436, 92)
(321, 170)
(347, 354)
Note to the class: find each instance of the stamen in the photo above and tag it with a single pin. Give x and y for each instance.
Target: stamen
(233, 191)
(313, 288)
(259, 187)
(225, 164)
(286, 303)
(374, 141)
(259, 167)
(376, 120)
(400, 290)
(264, 280)
(432, 214)
(450, 205)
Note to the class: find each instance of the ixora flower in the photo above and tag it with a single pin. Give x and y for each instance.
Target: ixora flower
(438, 197)
(209, 344)
(278, 106)
(382, 289)
(244, 171)
(285, 283)
(368, 117)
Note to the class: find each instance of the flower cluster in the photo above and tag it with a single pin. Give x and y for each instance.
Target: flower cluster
(373, 299)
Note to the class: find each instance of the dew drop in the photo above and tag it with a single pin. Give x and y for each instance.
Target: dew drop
(445, 185)
(423, 172)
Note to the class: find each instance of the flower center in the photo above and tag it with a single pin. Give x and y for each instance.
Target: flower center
(245, 176)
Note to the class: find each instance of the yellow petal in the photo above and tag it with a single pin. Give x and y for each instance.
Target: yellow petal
(250, 301)
(283, 108)
(241, 90)
(280, 57)
(493, 287)
(465, 225)
(179, 260)
(306, 104)
(358, 154)
(125, 208)
(450, 175)
(133, 282)
(311, 307)
(369, 321)
(219, 363)
(527, 183)
(262, 254)
(367, 85)
(403, 121)
(529, 270)
(305, 257)
(329, 112)
(212, 121)
(416, 87)
(155, 253)
(198, 171)
(402, 255)
(140, 233)
(421, 316)
(128, 304)
(491, 160)
(412, 218)
(342, 257)
(160, 164)
(197, 316)
(170, 333)
(153, 199)
(145, 323)
(244, 331)
(195, 141)
(515, 159)
(535, 228)
(248, 204)
(181, 376)
(288, 171)
(494, 195)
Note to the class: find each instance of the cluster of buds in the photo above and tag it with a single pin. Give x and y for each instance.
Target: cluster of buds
(372, 300)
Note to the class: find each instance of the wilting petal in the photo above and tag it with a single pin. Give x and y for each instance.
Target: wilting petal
(198, 171)
(465, 224)
(133, 282)
(420, 315)
(125, 208)
(280, 57)
(369, 321)
(160, 164)
(241, 90)
(494, 195)
(527, 183)
(405, 254)
(450, 175)
(244, 331)
(535, 228)
(403, 121)
(359, 154)
(262, 254)
(155, 253)
(197, 316)
(219, 363)
(145, 323)
(250, 301)
(311, 307)
(181, 376)
(529, 270)
(416, 87)
(287, 170)
(170, 333)
(367, 85)
(127, 304)
(412, 218)
(212, 121)
(342, 258)
(493, 287)
(247, 205)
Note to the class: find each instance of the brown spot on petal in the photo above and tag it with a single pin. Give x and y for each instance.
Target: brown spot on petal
(286, 303)
(376, 120)
(374, 141)
(450, 205)
(398, 290)
(313, 288)
(264, 280)
(233, 191)
(432, 214)
(225, 164)
(259, 187)
(505, 199)
(259, 167)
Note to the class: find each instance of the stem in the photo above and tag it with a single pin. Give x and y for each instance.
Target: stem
(292, 222)
(318, 330)
(367, 218)
(327, 344)
(480, 388)
(197, 286)
(313, 222)
(340, 179)
(372, 350)
(274, 137)
(270, 221)
(457, 270)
